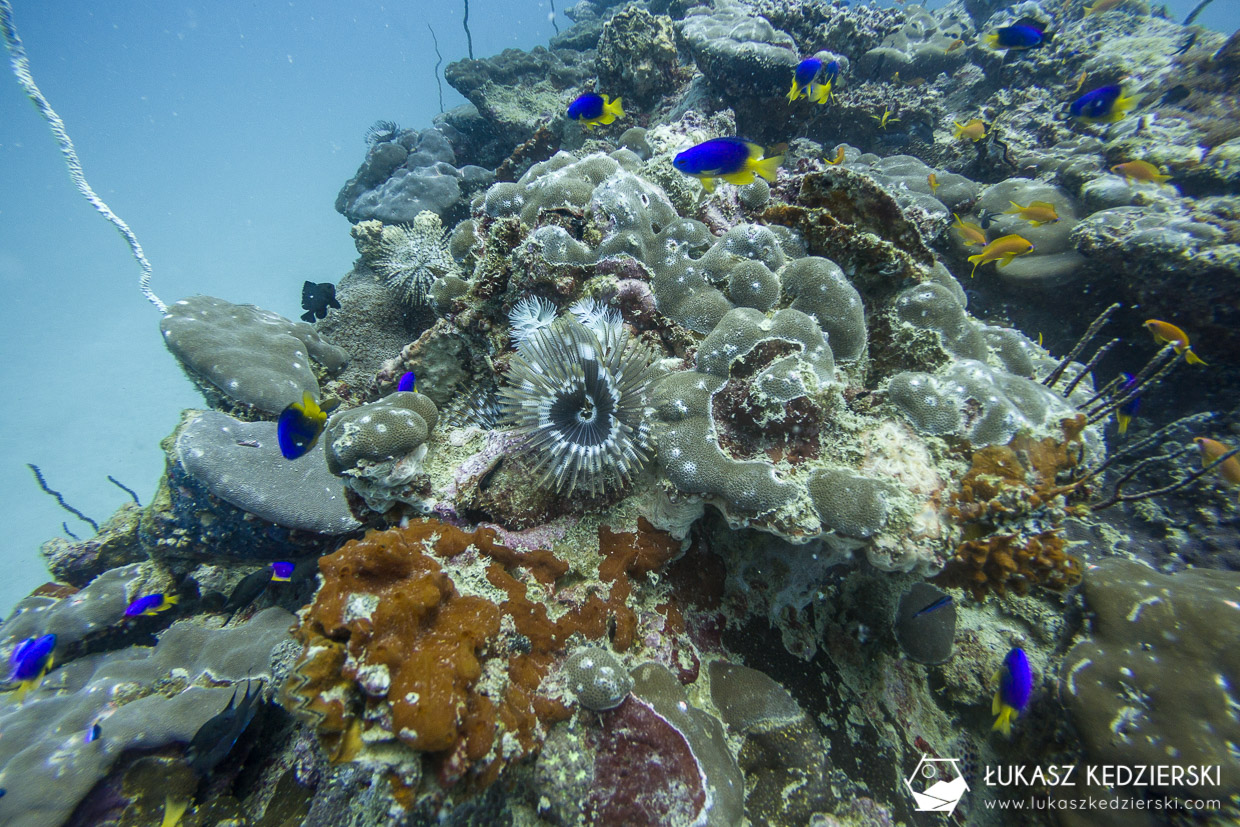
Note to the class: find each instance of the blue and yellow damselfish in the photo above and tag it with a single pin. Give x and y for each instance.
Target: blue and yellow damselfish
(733, 159)
(299, 427)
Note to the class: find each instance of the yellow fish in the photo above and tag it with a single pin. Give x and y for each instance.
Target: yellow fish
(1002, 250)
(1167, 333)
(1080, 82)
(1140, 171)
(933, 181)
(973, 130)
(1037, 213)
(885, 119)
(839, 156)
(971, 234)
(955, 44)
(1101, 6)
(1211, 450)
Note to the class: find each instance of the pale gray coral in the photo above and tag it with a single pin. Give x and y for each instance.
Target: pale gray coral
(378, 448)
(983, 404)
(597, 678)
(239, 354)
(241, 463)
(412, 173)
(920, 47)
(740, 53)
(851, 504)
(142, 698)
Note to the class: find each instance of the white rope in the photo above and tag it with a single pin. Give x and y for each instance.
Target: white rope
(21, 68)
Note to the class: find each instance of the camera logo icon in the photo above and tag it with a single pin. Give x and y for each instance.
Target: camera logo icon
(936, 784)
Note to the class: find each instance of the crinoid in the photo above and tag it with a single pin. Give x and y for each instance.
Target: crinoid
(577, 401)
(411, 258)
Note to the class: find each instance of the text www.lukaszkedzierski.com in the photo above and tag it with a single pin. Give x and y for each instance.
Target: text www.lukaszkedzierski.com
(1091, 803)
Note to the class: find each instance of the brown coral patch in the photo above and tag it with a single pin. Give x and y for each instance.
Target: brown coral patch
(1010, 507)
(390, 638)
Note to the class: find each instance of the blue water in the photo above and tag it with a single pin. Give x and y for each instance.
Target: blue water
(221, 133)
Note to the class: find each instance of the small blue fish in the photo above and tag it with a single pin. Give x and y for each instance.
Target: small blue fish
(281, 572)
(1127, 409)
(151, 604)
(1106, 104)
(1018, 37)
(31, 660)
(592, 110)
(407, 381)
(945, 600)
(299, 427)
(733, 159)
(1015, 684)
(803, 77)
(94, 732)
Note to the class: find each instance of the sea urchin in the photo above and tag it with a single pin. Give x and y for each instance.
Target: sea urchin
(578, 403)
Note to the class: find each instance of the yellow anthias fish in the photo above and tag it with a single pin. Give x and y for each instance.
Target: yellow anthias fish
(970, 233)
(174, 808)
(973, 130)
(885, 119)
(953, 46)
(1101, 6)
(1167, 333)
(1002, 250)
(839, 156)
(933, 181)
(1037, 213)
(1140, 171)
(1211, 450)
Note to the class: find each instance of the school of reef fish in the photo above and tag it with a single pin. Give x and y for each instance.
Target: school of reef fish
(732, 405)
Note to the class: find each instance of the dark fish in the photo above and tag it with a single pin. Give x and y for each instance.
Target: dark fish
(1188, 43)
(945, 600)
(1174, 95)
(216, 738)
(316, 298)
(248, 590)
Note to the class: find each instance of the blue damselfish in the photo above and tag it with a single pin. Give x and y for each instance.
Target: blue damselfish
(803, 76)
(30, 661)
(1019, 36)
(1129, 407)
(1107, 104)
(733, 159)
(281, 572)
(1014, 681)
(151, 604)
(299, 427)
(407, 381)
(593, 109)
